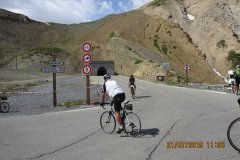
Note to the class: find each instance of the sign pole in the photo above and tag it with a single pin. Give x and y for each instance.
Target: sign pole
(54, 85)
(87, 69)
(88, 89)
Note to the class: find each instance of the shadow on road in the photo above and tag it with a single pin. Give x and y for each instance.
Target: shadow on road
(139, 97)
(152, 132)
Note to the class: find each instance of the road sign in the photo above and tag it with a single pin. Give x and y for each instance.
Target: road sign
(166, 66)
(86, 47)
(54, 63)
(52, 69)
(186, 67)
(87, 58)
(87, 70)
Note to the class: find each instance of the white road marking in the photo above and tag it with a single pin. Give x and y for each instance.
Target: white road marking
(75, 110)
(216, 92)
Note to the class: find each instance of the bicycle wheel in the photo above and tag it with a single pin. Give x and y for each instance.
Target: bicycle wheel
(132, 124)
(132, 92)
(4, 107)
(233, 134)
(108, 122)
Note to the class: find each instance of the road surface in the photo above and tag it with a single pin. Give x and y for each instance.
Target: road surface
(170, 115)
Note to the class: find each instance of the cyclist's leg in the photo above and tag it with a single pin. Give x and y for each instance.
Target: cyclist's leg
(117, 100)
(237, 85)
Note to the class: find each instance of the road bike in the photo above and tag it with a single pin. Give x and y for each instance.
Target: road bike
(233, 134)
(132, 91)
(4, 105)
(131, 121)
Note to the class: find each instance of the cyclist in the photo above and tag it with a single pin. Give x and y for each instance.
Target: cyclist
(132, 82)
(118, 96)
(237, 78)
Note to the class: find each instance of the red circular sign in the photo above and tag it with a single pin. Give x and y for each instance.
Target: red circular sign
(86, 47)
(87, 58)
(87, 70)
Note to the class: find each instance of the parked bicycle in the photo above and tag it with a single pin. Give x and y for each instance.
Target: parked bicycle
(131, 121)
(4, 105)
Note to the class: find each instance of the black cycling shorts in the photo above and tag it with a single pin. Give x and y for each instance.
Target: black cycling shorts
(117, 100)
(237, 80)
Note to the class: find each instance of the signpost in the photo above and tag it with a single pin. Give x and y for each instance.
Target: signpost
(55, 68)
(186, 68)
(87, 69)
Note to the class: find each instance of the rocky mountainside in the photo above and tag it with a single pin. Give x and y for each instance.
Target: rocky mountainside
(141, 42)
(212, 26)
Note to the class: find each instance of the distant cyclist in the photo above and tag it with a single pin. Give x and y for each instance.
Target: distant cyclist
(132, 82)
(237, 79)
(116, 94)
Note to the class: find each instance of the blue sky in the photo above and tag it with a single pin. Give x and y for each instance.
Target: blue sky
(70, 11)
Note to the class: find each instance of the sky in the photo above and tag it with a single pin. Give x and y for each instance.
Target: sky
(70, 11)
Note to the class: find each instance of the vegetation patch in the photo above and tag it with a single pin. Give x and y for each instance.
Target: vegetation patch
(169, 33)
(157, 2)
(113, 34)
(138, 61)
(155, 42)
(222, 44)
(234, 58)
(158, 28)
(95, 47)
(164, 49)
(74, 103)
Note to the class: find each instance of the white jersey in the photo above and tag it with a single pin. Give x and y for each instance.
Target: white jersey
(112, 88)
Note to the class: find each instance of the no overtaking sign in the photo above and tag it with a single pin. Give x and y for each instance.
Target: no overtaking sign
(87, 58)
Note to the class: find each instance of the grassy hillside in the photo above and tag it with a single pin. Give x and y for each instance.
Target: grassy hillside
(138, 44)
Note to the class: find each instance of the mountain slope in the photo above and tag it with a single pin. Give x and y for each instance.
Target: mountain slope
(213, 26)
(138, 43)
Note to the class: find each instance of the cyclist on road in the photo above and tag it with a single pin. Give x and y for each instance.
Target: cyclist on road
(237, 79)
(118, 96)
(132, 82)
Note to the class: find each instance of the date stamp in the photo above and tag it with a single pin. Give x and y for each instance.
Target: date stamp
(195, 144)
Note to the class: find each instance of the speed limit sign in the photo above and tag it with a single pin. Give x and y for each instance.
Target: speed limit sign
(86, 47)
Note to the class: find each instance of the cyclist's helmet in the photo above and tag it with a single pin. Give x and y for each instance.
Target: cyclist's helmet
(106, 76)
(131, 76)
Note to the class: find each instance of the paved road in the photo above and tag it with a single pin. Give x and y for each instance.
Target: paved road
(168, 114)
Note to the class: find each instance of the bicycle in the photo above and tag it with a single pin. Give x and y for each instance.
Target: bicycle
(131, 121)
(4, 106)
(132, 91)
(233, 134)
